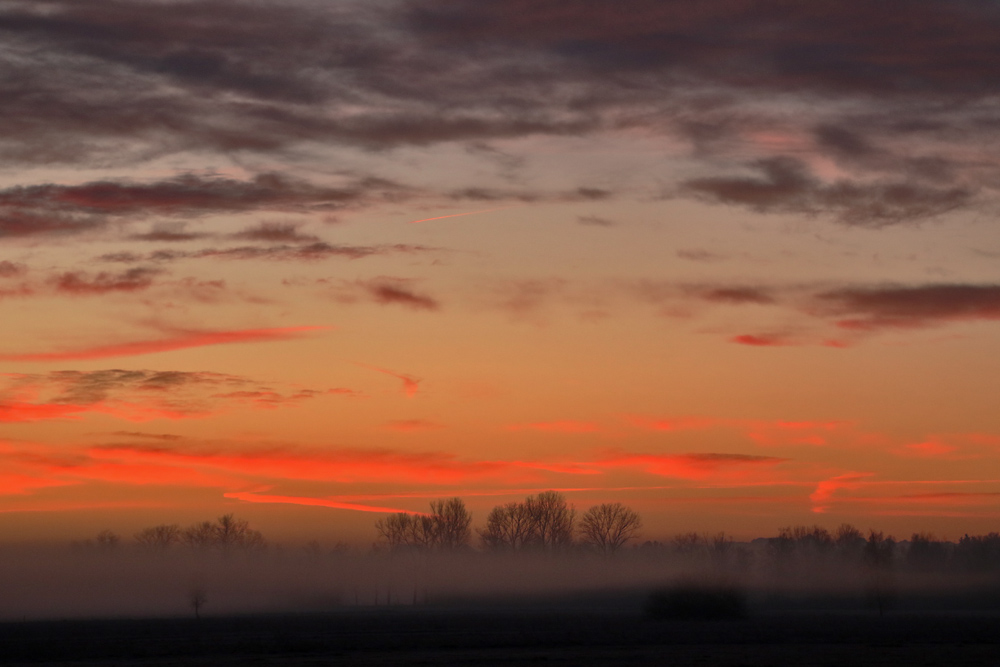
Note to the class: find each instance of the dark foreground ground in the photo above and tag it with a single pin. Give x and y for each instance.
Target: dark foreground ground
(484, 637)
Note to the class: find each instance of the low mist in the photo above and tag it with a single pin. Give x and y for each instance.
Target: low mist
(128, 581)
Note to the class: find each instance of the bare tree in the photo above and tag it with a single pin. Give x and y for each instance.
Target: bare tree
(508, 528)
(160, 537)
(609, 526)
(450, 521)
(446, 527)
(108, 540)
(403, 529)
(197, 597)
(232, 533)
(226, 534)
(879, 553)
(199, 536)
(552, 520)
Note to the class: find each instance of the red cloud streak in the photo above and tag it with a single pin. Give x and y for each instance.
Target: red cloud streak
(314, 502)
(183, 340)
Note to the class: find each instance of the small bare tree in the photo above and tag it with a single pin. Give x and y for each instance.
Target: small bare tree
(108, 540)
(879, 553)
(609, 526)
(159, 538)
(197, 597)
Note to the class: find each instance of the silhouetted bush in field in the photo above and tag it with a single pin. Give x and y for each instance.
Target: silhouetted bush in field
(693, 600)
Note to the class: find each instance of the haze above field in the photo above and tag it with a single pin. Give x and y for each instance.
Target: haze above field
(732, 264)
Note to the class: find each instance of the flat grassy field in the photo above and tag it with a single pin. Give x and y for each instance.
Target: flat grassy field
(483, 636)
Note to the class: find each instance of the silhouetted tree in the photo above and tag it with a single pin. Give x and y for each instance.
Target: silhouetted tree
(159, 537)
(508, 528)
(552, 520)
(447, 527)
(108, 540)
(689, 543)
(199, 536)
(879, 554)
(450, 521)
(232, 533)
(609, 526)
(979, 552)
(926, 553)
(197, 597)
(226, 534)
(404, 530)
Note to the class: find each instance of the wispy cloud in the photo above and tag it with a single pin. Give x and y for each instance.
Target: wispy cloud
(313, 502)
(411, 384)
(137, 395)
(180, 340)
(557, 427)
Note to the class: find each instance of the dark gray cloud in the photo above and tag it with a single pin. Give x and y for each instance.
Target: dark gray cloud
(784, 184)
(124, 80)
(595, 221)
(169, 233)
(288, 252)
(41, 209)
(275, 232)
(397, 292)
(89, 387)
(79, 283)
(10, 269)
(138, 395)
(879, 307)
(736, 295)
(385, 291)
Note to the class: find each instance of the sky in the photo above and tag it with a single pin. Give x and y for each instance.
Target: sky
(732, 264)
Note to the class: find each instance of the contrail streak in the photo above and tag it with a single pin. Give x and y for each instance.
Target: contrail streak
(458, 215)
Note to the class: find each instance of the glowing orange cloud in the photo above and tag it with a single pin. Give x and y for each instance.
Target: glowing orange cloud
(183, 340)
(314, 502)
(823, 494)
(778, 432)
(33, 412)
(763, 340)
(675, 424)
(556, 427)
(928, 449)
(410, 425)
(142, 475)
(790, 432)
(21, 484)
(344, 466)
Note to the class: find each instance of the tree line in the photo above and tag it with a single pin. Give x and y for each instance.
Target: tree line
(543, 522)
(546, 522)
(225, 534)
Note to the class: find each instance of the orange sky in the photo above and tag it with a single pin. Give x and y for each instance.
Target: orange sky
(310, 261)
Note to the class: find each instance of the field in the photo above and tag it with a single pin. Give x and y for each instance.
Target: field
(483, 636)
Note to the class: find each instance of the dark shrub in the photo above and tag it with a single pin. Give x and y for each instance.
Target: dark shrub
(698, 601)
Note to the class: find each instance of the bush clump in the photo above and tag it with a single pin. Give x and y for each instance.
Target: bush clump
(697, 601)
